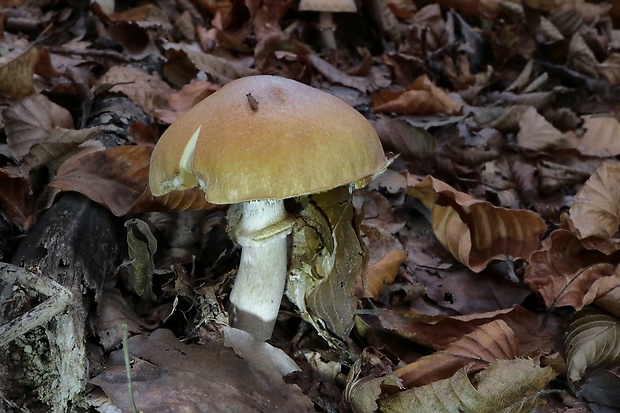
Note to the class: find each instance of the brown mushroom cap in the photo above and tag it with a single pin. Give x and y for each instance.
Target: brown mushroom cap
(328, 5)
(266, 137)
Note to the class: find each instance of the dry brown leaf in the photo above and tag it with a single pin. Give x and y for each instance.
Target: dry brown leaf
(381, 273)
(600, 137)
(487, 343)
(183, 100)
(144, 89)
(114, 177)
(474, 231)
(439, 331)
(59, 143)
(31, 121)
(564, 270)
(595, 214)
(181, 56)
(537, 134)
(422, 98)
(409, 141)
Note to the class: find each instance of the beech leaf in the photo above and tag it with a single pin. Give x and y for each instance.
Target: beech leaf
(115, 177)
(487, 343)
(59, 142)
(476, 232)
(593, 340)
(31, 121)
(600, 137)
(595, 213)
(564, 270)
(502, 386)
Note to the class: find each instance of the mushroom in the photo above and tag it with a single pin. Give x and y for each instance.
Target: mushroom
(325, 9)
(255, 142)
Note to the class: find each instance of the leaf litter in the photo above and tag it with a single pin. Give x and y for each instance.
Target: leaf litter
(489, 246)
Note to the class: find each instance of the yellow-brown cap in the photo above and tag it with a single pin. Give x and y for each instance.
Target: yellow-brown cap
(265, 137)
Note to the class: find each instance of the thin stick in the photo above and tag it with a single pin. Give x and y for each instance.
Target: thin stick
(128, 368)
(59, 298)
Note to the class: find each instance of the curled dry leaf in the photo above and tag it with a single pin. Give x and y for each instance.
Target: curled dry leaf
(595, 214)
(31, 121)
(502, 386)
(593, 340)
(381, 273)
(489, 342)
(564, 270)
(422, 98)
(476, 232)
(114, 177)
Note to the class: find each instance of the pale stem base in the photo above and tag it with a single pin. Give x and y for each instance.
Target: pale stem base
(326, 25)
(258, 289)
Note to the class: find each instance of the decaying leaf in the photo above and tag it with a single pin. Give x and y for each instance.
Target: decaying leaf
(16, 74)
(114, 177)
(475, 231)
(506, 385)
(328, 255)
(489, 342)
(141, 246)
(593, 340)
(169, 375)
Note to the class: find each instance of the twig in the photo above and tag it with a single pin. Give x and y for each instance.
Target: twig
(128, 368)
(91, 53)
(59, 298)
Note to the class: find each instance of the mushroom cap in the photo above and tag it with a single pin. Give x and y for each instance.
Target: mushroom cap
(265, 137)
(328, 5)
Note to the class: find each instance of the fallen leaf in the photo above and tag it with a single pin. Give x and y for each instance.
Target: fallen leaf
(16, 76)
(422, 98)
(600, 137)
(505, 384)
(381, 273)
(593, 340)
(474, 231)
(564, 270)
(114, 177)
(168, 375)
(487, 343)
(31, 120)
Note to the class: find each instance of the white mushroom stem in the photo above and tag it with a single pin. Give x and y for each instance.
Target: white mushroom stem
(327, 27)
(258, 289)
